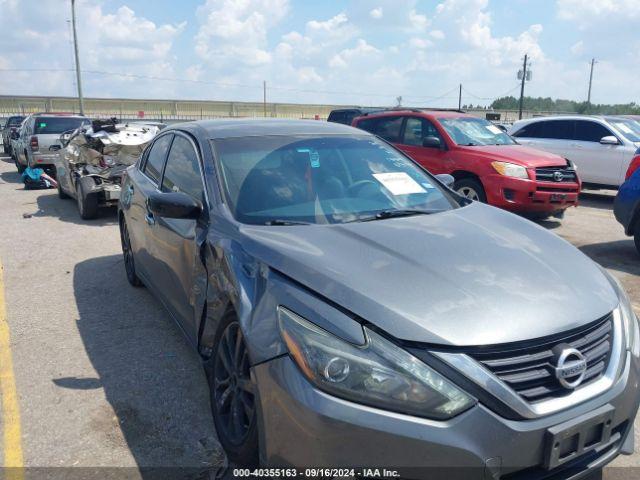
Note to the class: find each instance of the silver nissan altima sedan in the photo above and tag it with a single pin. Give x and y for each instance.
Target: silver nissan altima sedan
(352, 311)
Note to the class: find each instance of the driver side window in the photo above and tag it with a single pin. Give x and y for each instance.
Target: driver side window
(416, 130)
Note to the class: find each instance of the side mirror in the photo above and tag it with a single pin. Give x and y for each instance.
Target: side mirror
(609, 140)
(15, 135)
(446, 179)
(431, 142)
(174, 205)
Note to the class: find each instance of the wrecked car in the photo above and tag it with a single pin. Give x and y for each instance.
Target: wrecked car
(351, 309)
(91, 164)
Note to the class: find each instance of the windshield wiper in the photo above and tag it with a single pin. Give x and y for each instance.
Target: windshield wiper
(383, 214)
(279, 222)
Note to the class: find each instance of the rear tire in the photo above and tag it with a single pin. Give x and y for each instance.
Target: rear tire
(127, 253)
(233, 394)
(21, 168)
(61, 193)
(87, 203)
(470, 188)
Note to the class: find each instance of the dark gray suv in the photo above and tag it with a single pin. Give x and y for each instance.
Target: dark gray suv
(350, 310)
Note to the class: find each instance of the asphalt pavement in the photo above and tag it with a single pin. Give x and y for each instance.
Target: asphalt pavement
(104, 378)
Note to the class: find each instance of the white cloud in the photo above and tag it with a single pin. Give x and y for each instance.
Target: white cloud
(346, 57)
(376, 13)
(585, 13)
(437, 34)
(236, 31)
(420, 43)
(119, 41)
(577, 48)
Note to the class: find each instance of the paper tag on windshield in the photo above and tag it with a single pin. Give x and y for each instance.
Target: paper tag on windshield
(399, 183)
(494, 129)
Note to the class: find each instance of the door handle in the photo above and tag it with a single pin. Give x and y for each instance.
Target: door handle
(149, 218)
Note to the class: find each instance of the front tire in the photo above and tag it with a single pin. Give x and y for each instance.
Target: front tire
(470, 188)
(233, 394)
(87, 202)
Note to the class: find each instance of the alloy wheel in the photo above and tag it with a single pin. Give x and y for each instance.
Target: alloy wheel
(469, 193)
(233, 390)
(126, 251)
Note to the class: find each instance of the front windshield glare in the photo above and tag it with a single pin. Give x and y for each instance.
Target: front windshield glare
(322, 179)
(629, 128)
(469, 131)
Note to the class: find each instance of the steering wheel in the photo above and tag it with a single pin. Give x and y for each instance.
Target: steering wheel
(354, 189)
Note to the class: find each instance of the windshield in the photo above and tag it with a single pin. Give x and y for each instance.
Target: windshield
(629, 128)
(470, 131)
(322, 179)
(46, 125)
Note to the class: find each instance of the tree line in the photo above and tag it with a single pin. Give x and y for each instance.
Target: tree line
(548, 104)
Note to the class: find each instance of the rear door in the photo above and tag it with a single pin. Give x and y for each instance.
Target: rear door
(142, 226)
(415, 130)
(597, 163)
(177, 239)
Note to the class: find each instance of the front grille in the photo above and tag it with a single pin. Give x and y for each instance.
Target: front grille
(529, 370)
(548, 174)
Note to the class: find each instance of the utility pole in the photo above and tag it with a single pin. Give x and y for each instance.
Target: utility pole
(524, 77)
(460, 98)
(593, 61)
(75, 49)
(264, 97)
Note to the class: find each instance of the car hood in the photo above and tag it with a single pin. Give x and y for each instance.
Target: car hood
(525, 156)
(471, 276)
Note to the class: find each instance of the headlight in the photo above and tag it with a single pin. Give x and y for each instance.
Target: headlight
(510, 169)
(377, 373)
(629, 319)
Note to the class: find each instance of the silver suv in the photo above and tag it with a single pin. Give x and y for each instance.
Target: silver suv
(39, 140)
(600, 146)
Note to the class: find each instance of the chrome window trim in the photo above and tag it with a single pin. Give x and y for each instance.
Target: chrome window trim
(486, 380)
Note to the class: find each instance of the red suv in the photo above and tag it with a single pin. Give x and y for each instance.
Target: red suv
(487, 164)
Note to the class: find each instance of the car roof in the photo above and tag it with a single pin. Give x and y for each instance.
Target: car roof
(562, 117)
(415, 112)
(256, 127)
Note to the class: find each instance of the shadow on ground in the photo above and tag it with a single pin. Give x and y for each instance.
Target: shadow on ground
(152, 379)
(50, 205)
(594, 199)
(619, 255)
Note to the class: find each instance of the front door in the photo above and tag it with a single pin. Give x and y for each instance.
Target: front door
(432, 158)
(597, 163)
(179, 240)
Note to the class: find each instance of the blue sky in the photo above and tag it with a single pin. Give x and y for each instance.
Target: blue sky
(342, 51)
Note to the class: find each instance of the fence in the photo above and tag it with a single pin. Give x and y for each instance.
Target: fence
(174, 110)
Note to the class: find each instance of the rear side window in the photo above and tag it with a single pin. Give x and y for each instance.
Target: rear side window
(555, 129)
(53, 125)
(386, 127)
(182, 173)
(155, 159)
(590, 131)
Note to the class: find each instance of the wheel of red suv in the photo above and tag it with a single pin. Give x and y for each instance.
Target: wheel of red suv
(470, 188)
(127, 253)
(233, 394)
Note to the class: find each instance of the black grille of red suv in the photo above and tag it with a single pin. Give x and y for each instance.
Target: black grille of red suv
(530, 369)
(556, 174)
